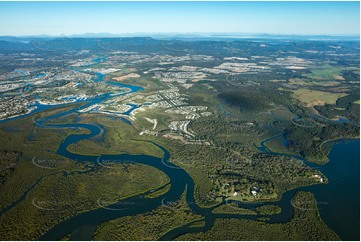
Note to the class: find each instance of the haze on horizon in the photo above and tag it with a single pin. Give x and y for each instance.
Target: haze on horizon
(288, 18)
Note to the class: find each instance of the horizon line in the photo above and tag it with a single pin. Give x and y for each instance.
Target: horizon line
(204, 34)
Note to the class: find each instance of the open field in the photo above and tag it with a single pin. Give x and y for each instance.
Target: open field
(314, 98)
(307, 82)
(327, 72)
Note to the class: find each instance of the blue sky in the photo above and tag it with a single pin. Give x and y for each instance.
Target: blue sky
(55, 18)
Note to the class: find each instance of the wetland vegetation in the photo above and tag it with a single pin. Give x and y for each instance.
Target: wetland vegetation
(247, 126)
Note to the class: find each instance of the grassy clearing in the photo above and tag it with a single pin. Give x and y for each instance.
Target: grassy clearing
(327, 72)
(306, 82)
(314, 98)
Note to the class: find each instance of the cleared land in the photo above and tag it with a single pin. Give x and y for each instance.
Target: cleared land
(327, 72)
(314, 98)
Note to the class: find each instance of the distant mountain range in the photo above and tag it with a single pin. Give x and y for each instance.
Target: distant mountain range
(154, 43)
(188, 36)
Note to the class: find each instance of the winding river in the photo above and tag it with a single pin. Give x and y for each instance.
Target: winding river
(338, 201)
